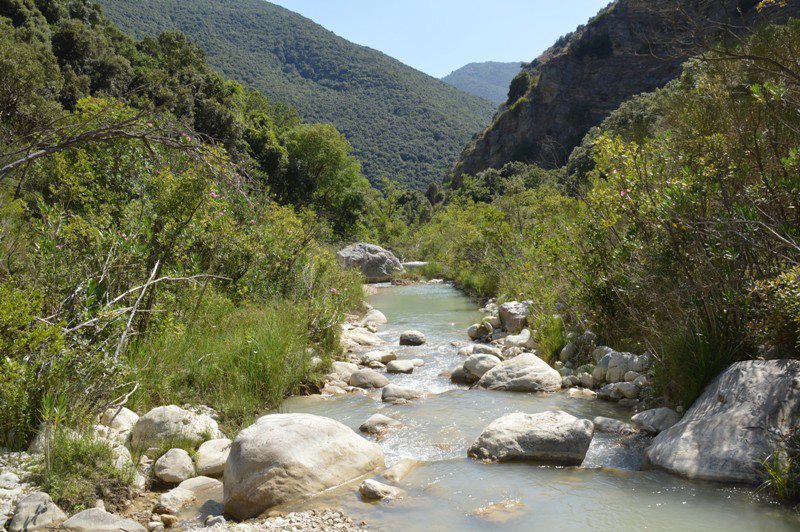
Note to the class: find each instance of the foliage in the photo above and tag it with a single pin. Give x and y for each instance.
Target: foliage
(489, 80)
(519, 87)
(783, 469)
(403, 124)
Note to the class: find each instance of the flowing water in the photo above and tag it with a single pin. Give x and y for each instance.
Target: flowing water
(448, 491)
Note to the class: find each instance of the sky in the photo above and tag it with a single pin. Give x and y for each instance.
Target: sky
(439, 36)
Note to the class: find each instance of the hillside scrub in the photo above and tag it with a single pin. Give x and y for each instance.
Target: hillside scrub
(681, 236)
(139, 211)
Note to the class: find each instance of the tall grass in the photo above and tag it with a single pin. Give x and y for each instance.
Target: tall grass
(240, 361)
(550, 336)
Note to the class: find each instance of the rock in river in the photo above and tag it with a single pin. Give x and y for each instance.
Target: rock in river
(372, 490)
(376, 264)
(368, 378)
(399, 395)
(549, 436)
(400, 366)
(734, 425)
(286, 457)
(656, 420)
(523, 373)
(378, 424)
(412, 338)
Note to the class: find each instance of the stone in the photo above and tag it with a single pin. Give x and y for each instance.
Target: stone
(374, 316)
(175, 500)
(656, 420)
(120, 421)
(630, 376)
(289, 457)
(628, 390)
(211, 457)
(612, 426)
(569, 352)
(215, 520)
(565, 371)
(363, 337)
(460, 375)
(376, 365)
(474, 331)
(741, 417)
(609, 393)
(582, 393)
(586, 380)
(400, 470)
(174, 467)
(372, 490)
(343, 370)
(524, 340)
(155, 526)
(412, 338)
(200, 484)
(368, 379)
(165, 425)
(524, 373)
(400, 366)
(478, 365)
(513, 316)
(378, 424)
(100, 520)
(554, 436)
(36, 511)
(511, 352)
(168, 520)
(399, 395)
(466, 351)
(418, 362)
(384, 357)
(375, 263)
(483, 349)
(641, 381)
(599, 352)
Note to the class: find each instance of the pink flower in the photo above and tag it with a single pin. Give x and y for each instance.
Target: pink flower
(214, 195)
(252, 222)
(149, 124)
(58, 246)
(334, 291)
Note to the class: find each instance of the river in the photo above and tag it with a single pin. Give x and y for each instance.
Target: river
(448, 490)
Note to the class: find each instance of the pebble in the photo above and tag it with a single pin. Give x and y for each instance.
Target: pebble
(315, 520)
(15, 471)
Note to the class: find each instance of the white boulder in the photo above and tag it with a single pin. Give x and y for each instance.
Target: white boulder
(523, 373)
(165, 425)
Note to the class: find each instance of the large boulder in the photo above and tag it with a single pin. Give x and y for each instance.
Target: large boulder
(554, 437)
(376, 264)
(120, 422)
(168, 425)
(739, 420)
(36, 511)
(513, 316)
(286, 457)
(100, 520)
(523, 373)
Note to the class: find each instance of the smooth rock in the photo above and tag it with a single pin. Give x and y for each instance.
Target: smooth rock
(287, 457)
(466, 351)
(630, 376)
(376, 263)
(211, 457)
(368, 379)
(363, 337)
(400, 470)
(36, 511)
(513, 316)
(549, 436)
(523, 340)
(175, 500)
(412, 338)
(372, 490)
(200, 484)
(524, 373)
(100, 520)
(384, 357)
(739, 420)
(599, 352)
(174, 466)
(119, 420)
(400, 366)
(612, 426)
(167, 425)
(628, 390)
(399, 395)
(378, 424)
(483, 349)
(459, 375)
(656, 420)
(586, 380)
(478, 365)
(374, 316)
(343, 370)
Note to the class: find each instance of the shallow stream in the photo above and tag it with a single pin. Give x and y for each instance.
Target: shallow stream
(449, 491)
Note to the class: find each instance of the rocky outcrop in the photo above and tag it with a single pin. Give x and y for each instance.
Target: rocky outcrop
(631, 47)
(554, 437)
(285, 457)
(376, 264)
(738, 421)
(523, 373)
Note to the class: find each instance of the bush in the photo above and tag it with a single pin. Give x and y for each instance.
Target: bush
(240, 361)
(550, 336)
(78, 470)
(783, 469)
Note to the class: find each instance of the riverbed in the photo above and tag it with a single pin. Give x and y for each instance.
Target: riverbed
(448, 491)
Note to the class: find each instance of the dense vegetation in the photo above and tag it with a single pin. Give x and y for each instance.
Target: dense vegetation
(489, 80)
(674, 227)
(164, 231)
(404, 125)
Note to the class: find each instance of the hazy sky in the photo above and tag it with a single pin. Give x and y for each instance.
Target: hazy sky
(439, 36)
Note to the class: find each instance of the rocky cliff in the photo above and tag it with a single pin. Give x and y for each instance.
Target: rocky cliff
(630, 47)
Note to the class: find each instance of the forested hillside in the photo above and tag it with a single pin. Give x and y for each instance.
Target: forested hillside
(404, 125)
(489, 80)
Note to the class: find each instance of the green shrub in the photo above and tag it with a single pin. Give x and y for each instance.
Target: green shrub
(783, 469)
(550, 336)
(78, 470)
(239, 361)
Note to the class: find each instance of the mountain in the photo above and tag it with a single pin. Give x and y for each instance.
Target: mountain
(488, 80)
(630, 47)
(404, 125)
